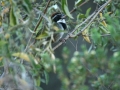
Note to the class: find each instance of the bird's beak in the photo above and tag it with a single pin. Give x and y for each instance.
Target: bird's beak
(63, 16)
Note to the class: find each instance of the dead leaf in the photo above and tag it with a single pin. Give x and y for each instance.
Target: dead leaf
(85, 35)
(103, 21)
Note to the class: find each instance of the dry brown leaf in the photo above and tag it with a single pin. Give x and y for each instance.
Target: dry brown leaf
(103, 21)
(85, 35)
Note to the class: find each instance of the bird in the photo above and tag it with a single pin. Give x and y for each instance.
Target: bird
(59, 24)
(57, 28)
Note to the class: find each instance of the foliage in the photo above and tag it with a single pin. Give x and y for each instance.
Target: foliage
(27, 57)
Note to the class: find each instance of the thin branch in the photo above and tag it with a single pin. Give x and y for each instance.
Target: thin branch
(102, 35)
(90, 48)
(42, 17)
(74, 9)
(99, 10)
(77, 45)
(92, 17)
(37, 25)
(28, 43)
(72, 44)
(86, 20)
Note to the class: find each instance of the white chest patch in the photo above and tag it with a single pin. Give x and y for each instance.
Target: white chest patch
(61, 21)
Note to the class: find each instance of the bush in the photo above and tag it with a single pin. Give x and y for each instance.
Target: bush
(27, 55)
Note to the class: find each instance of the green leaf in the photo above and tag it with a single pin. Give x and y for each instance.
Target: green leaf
(104, 30)
(67, 11)
(37, 81)
(0, 20)
(59, 31)
(46, 77)
(80, 16)
(64, 2)
(96, 36)
(65, 8)
(77, 3)
(12, 19)
(41, 36)
(27, 5)
(2, 43)
(88, 12)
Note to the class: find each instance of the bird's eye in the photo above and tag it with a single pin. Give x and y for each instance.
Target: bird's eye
(62, 16)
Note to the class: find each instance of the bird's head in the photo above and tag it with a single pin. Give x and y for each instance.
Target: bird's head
(59, 18)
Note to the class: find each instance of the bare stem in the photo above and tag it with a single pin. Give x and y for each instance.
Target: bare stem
(74, 9)
(42, 17)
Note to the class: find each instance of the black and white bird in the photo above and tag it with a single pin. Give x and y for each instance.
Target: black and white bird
(58, 28)
(60, 24)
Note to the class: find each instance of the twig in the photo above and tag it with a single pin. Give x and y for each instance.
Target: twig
(99, 10)
(28, 43)
(86, 20)
(74, 9)
(72, 44)
(93, 16)
(37, 25)
(42, 17)
(103, 35)
(77, 45)
(90, 48)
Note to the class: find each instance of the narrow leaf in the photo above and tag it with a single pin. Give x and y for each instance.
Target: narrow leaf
(104, 30)
(12, 17)
(21, 55)
(42, 36)
(85, 35)
(88, 12)
(63, 3)
(65, 8)
(81, 16)
(78, 2)
(27, 5)
(0, 20)
(67, 11)
(46, 77)
(103, 21)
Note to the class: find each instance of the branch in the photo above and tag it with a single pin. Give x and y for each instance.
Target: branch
(37, 25)
(92, 17)
(74, 9)
(42, 17)
(99, 10)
